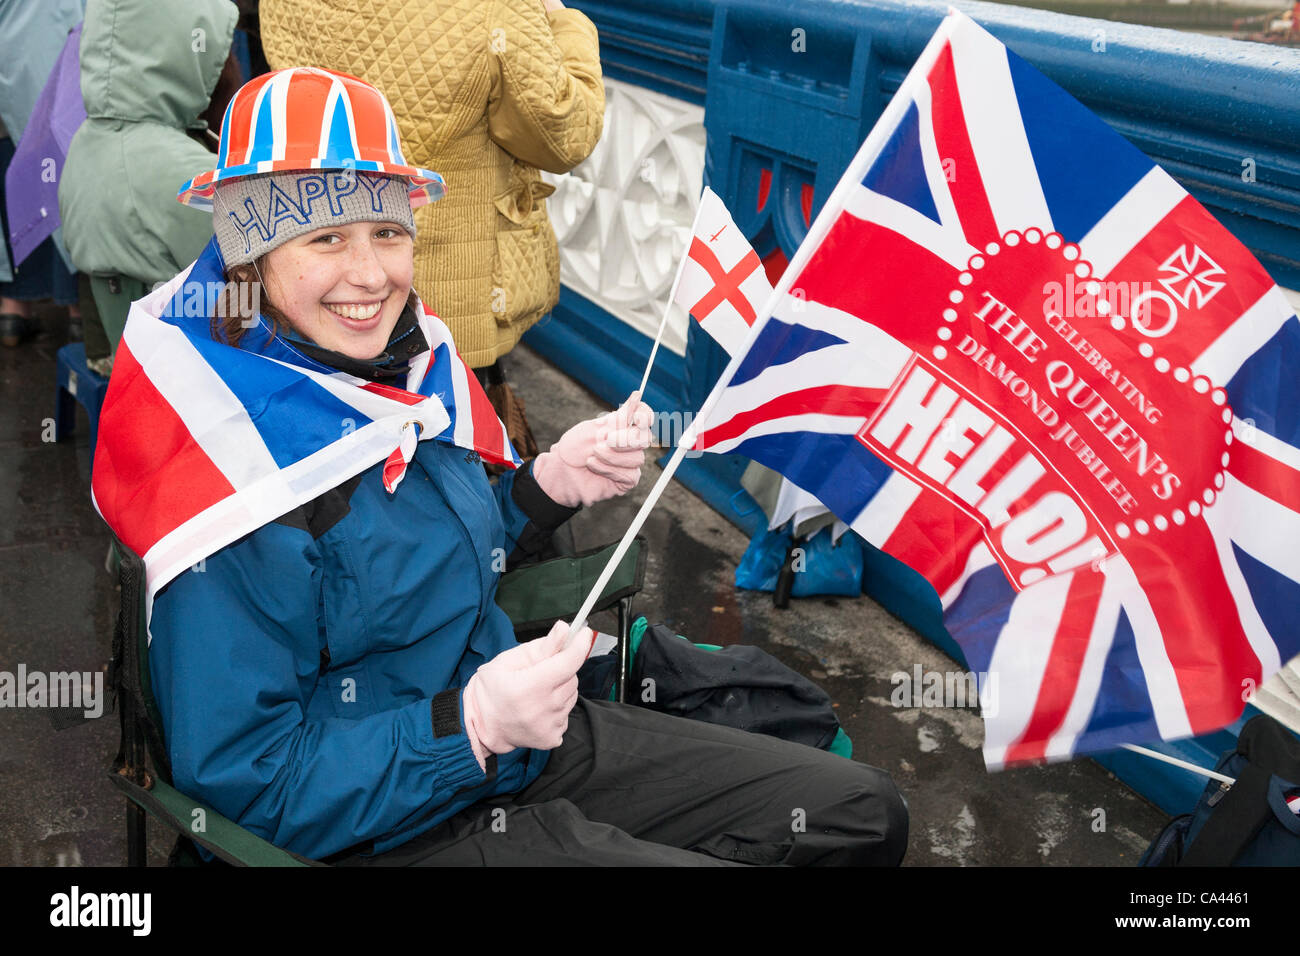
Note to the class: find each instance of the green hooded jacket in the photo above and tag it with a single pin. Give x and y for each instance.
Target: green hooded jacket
(148, 69)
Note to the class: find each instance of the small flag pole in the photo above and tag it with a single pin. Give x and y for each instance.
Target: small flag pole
(687, 442)
(672, 294)
(1214, 775)
(580, 620)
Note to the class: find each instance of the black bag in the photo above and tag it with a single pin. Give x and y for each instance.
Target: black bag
(738, 686)
(1248, 823)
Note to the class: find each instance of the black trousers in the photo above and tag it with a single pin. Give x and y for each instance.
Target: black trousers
(631, 787)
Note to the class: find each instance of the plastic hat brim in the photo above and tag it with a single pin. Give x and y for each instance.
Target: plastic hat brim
(425, 185)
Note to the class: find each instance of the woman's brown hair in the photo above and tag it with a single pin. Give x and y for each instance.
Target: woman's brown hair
(239, 303)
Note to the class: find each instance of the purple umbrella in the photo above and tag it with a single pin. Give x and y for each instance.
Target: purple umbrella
(32, 181)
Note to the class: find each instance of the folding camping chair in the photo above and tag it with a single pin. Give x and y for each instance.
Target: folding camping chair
(533, 596)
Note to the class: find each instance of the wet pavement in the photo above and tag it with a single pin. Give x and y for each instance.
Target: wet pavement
(57, 607)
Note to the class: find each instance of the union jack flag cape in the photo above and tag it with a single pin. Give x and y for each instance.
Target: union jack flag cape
(201, 443)
(1016, 355)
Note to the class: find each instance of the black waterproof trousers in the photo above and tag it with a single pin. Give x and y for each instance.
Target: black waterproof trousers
(631, 787)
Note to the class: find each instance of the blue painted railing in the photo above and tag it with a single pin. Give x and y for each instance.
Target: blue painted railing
(790, 91)
(661, 45)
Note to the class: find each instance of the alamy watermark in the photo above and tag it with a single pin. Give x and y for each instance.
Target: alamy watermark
(80, 690)
(194, 299)
(966, 689)
(75, 908)
(1093, 298)
(669, 428)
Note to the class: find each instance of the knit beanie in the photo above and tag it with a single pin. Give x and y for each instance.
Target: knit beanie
(254, 214)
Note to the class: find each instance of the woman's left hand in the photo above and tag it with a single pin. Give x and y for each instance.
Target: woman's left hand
(597, 459)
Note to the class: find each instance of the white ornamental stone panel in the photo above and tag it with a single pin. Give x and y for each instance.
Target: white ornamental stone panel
(623, 217)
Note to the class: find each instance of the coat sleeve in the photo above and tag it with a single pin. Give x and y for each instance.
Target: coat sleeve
(529, 514)
(547, 102)
(235, 657)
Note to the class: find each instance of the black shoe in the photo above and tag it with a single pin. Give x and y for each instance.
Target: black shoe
(13, 329)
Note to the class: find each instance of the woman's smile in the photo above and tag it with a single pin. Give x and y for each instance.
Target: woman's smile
(344, 287)
(355, 313)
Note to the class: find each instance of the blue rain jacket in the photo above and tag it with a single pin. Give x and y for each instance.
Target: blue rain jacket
(309, 674)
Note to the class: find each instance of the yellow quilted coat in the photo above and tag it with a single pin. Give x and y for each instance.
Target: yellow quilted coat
(485, 92)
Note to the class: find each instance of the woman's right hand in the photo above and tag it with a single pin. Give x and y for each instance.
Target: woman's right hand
(522, 697)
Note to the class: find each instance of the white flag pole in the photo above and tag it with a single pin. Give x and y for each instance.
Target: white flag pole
(672, 294)
(866, 155)
(1213, 774)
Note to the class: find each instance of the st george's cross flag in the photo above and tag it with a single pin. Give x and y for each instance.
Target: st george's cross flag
(201, 442)
(1015, 354)
(723, 283)
(726, 299)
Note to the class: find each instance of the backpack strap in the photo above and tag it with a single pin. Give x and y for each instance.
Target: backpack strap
(1269, 748)
(1235, 822)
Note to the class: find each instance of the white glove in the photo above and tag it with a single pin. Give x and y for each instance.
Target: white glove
(597, 459)
(522, 697)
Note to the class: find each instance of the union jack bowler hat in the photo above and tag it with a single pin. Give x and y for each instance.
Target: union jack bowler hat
(306, 118)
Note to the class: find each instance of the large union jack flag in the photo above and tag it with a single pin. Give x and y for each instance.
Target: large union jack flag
(1016, 355)
(201, 443)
